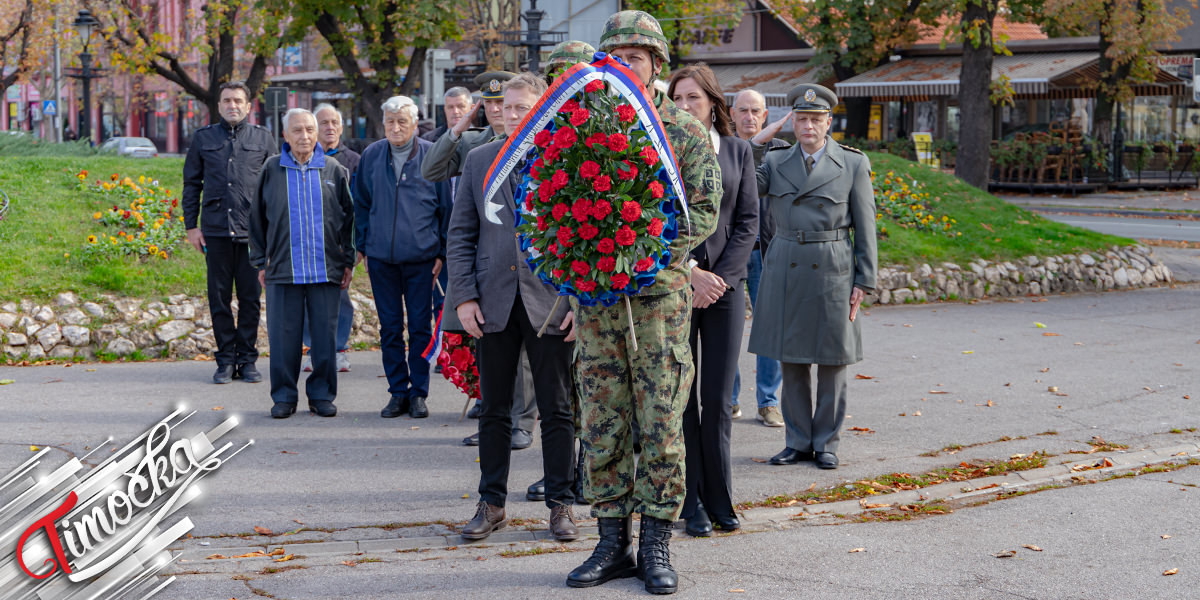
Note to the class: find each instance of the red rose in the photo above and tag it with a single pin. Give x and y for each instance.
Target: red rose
(581, 210)
(619, 281)
(625, 236)
(542, 225)
(559, 211)
(556, 273)
(601, 209)
(543, 138)
(569, 106)
(656, 189)
(589, 169)
(596, 138)
(581, 267)
(565, 138)
(565, 235)
(585, 286)
(644, 265)
(461, 357)
(606, 264)
(443, 360)
(655, 227)
(588, 231)
(606, 246)
(631, 211)
(626, 113)
(618, 142)
(649, 156)
(594, 86)
(602, 183)
(629, 172)
(453, 339)
(580, 117)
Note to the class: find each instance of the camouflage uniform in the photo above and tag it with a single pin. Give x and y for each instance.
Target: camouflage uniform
(566, 55)
(619, 386)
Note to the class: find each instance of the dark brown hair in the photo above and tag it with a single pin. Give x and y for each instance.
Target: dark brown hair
(707, 80)
(236, 85)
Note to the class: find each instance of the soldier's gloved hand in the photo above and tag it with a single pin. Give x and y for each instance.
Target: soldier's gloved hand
(708, 286)
(471, 318)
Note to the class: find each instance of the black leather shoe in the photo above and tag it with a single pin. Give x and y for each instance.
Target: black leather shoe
(729, 523)
(790, 457)
(282, 410)
(654, 556)
(397, 406)
(537, 491)
(487, 519)
(417, 408)
(471, 440)
(248, 373)
(611, 559)
(473, 413)
(322, 408)
(698, 524)
(521, 439)
(224, 374)
(827, 460)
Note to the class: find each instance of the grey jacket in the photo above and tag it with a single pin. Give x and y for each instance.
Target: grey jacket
(447, 157)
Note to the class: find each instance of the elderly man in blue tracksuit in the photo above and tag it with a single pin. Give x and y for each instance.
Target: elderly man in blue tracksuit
(400, 223)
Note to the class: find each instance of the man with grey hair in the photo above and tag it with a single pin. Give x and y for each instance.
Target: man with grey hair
(301, 221)
(456, 105)
(400, 230)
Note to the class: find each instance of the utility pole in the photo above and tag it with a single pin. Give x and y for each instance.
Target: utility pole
(534, 37)
(56, 118)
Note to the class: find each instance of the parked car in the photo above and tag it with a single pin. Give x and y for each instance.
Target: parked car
(133, 147)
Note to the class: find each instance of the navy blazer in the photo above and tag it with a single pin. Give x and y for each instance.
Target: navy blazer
(727, 251)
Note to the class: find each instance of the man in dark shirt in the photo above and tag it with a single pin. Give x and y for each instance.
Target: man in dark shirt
(222, 166)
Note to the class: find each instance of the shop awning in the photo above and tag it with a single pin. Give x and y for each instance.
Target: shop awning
(770, 79)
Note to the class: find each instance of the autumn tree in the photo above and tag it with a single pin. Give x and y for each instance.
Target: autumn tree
(386, 35)
(482, 24)
(17, 40)
(689, 22)
(202, 53)
(975, 91)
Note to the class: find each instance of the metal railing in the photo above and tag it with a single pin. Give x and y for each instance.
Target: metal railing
(3, 205)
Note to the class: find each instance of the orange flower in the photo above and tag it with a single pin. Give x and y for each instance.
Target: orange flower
(162, 254)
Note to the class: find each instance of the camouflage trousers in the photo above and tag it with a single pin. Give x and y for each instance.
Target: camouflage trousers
(619, 386)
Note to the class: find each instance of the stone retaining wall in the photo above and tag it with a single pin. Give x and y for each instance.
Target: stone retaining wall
(181, 327)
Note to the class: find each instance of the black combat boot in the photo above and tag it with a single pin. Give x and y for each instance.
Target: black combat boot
(654, 556)
(613, 557)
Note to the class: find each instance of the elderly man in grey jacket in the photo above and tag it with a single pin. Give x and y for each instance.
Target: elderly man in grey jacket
(301, 242)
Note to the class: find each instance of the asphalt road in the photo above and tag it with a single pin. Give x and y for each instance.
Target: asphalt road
(1133, 227)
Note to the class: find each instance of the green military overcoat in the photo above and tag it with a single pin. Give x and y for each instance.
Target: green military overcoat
(823, 244)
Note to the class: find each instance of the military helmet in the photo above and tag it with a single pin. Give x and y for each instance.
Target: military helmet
(634, 28)
(568, 53)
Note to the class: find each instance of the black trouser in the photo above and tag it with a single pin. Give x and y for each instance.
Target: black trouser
(286, 307)
(550, 360)
(229, 266)
(707, 421)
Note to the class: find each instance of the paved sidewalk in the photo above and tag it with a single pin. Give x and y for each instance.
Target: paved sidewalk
(1142, 200)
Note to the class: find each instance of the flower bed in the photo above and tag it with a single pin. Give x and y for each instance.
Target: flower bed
(142, 221)
(907, 203)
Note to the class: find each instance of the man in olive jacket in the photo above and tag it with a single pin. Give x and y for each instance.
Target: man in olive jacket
(815, 273)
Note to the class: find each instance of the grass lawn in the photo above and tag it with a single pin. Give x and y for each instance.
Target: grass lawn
(991, 228)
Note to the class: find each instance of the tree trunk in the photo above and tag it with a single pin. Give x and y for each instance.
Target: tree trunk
(974, 98)
(1111, 77)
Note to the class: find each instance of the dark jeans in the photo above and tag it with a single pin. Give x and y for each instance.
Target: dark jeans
(345, 319)
(229, 266)
(399, 287)
(284, 302)
(550, 360)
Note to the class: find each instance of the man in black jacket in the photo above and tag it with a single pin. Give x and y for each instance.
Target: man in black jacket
(301, 228)
(222, 165)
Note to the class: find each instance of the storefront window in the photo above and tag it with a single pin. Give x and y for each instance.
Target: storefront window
(1148, 119)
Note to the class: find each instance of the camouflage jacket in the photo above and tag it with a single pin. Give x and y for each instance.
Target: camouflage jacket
(701, 176)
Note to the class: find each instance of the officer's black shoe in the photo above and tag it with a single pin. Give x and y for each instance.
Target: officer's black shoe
(521, 439)
(283, 410)
(416, 407)
(537, 491)
(471, 440)
(322, 408)
(613, 557)
(248, 373)
(698, 525)
(224, 374)
(654, 556)
(397, 406)
(473, 413)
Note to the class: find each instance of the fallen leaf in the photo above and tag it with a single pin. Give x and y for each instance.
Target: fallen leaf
(869, 505)
(861, 376)
(1032, 547)
(1147, 389)
(811, 487)
(414, 428)
(791, 502)
(349, 563)
(1187, 397)
(989, 403)
(910, 325)
(1006, 554)
(285, 558)
(90, 370)
(466, 495)
(1046, 370)
(1050, 334)
(903, 414)
(1039, 325)
(34, 448)
(216, 556)
(737, 591)
(480, 558)
(759, 460)
(263, 530)
(218, 408)
(276, 552)
(200, 357)
(857, 550)
(1170, 571)
(916, 413)
(1061, 394)
(1166, 536)
(255, 554)
(288, 452)
(6, 381)
(987, 227)
(968, 352)
(1053, 388)
(938, 392)
(1022, 222)
(862, 429)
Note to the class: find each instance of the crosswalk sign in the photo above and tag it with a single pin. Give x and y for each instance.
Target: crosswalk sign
(49, 107)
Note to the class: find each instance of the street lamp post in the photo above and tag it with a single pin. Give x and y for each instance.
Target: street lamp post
(85, 24)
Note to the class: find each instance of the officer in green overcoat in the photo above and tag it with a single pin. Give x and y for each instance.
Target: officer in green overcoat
(820, 263)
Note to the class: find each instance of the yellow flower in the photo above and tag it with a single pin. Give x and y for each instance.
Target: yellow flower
(91, 239)
(142, 179)
(152, 249)
(141, 235)
(97, 215)
(112, 239)
(162, 254)
(66, 255)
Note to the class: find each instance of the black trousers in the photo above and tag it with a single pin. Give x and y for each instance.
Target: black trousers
(228, 267)
(286, 307)
(550, 360)
(707, 421)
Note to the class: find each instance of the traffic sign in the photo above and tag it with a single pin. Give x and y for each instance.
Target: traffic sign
(276, 98)
(1195, 88)
(49, 107)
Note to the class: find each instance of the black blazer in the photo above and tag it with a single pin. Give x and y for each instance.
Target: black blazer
(727, 250)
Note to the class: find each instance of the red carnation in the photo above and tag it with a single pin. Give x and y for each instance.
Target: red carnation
(649, 156)
(546, 193)
(626, 113)
(618, 142)
(656, 189)
(529, 201)
(453, 339)
(581, 210)
(602, 183)
(631, 211)
(552, 249)
(559, 211)
(606, 264)
(585, 286)
(569, 106)
(581, 267)
(560, 179)
(629, 172)
(619, 281)
(461, 357)
(565, 235)
(625, 236)
(601, 209)
(588, 231)
(543, 138)
(596, 138)
(655, 227)
(564, 138)
(556, 273)
(580, 117)
(552, 154)
(542, 225)
(606, 246)
(589, 169)
(644, 265)
(594, 86)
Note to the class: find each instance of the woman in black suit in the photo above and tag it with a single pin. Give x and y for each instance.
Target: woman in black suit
(719, 307)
